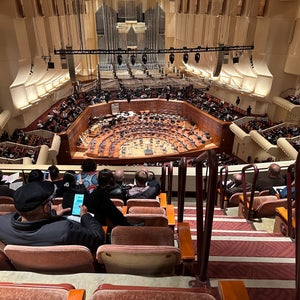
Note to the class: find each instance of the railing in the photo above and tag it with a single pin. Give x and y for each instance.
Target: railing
(297, 217)
(204, 227)
(248, 201)
(289, 179)
(222, 184)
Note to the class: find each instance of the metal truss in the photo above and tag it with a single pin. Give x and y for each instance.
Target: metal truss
(152, 51)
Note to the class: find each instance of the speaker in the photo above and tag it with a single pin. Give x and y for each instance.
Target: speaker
(218, 67)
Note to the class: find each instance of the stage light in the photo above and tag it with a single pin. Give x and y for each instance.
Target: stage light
(50, 65)
(185, 58)
(119, 59)
(197, 57)
(235, 60)
(132, 59)
(171, 57)
(144, 58)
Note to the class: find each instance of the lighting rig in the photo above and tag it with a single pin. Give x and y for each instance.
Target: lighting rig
(171, 51)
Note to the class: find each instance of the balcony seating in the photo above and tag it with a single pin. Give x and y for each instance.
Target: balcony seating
(110, 292)
(40, 291)
(63, 259)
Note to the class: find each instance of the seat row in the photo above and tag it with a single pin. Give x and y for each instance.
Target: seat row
(66, 291)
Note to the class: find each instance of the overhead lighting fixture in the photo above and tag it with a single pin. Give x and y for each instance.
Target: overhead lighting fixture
(144, 58)
(132, 59)
(197, 57)
(119, 59)
(171, 57)
(235, 60)
(185, 58)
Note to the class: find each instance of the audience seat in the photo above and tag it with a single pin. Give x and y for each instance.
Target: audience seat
(147, 219)
(123, 292)
(6, 205)
(146, 210)
(142, 202)
(63, 259)
(139, 259)
(141, 235)
(234, 200)
(5, 263)
(42, 291)
(263, 206)
(117, 202)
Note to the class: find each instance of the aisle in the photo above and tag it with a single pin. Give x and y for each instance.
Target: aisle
(265, 261)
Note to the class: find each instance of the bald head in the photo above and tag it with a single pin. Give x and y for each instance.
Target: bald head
(237, 178)
(274, 170)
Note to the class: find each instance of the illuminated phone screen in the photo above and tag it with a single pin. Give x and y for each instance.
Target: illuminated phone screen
(78, 200)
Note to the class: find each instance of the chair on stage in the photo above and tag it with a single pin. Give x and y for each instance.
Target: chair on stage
(64, 259)
(40, 291)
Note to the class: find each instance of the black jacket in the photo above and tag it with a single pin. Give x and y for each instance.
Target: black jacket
(49, 232)
(99, 203)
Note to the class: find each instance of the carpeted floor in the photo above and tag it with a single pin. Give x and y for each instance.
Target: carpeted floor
(242, 250)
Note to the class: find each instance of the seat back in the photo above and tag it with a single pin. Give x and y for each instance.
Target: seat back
(147, 219)
(139, 259)
(117, 202)
(5, 263)
(142, 235)
(142, 202)
(234, 200)
(146, 210)
(63, 259)
(265, 206)
(110, 292)
(39, 291)
(6, 205)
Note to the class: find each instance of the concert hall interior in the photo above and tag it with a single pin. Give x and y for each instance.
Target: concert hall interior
(149, 83)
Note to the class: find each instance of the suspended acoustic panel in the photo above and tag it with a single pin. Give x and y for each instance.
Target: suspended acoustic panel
(218, 67)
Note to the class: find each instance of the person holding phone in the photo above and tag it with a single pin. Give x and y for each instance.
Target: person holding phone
(34, 224)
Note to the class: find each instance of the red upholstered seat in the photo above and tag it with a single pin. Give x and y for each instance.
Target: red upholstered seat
(63, 259)
(39, 291)
(110, 292)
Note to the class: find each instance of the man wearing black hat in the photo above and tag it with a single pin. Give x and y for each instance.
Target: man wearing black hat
(33, 224)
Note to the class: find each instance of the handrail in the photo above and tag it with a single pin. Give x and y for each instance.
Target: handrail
(170, 182)
(289, 175)
(204, 231)
(181, 187)
(248, 204)
(221, 185)
(163, 179)
(297, 217)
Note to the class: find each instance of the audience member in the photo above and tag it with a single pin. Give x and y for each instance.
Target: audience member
(33, 224)
(70, 185)
(272, 179)
(107, 182)
(119, 176)
(35, 175)
(4, 189)
(236, 186)
(141, 190)
(55, 176)
(105, 211)
(89, 175)
(153, 182)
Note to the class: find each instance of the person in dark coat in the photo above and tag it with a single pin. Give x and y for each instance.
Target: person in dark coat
(34, 224)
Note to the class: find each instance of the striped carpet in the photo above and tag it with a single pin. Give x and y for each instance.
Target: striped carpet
(264, 261)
